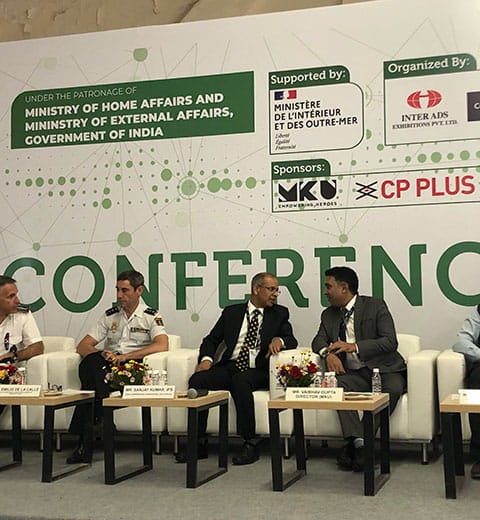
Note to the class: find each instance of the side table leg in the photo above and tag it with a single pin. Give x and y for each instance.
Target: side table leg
(192, 447)
(275, 449)
(300, 451)
(449, 450)
(223, 436)
(385, 441)
(47, 456)
(147, 436)
(16, 434)
(108, 445)
(369, 438)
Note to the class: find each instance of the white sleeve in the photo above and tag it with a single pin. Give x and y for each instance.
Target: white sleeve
(30, 332)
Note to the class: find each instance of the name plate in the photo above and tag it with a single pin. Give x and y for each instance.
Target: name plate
(139, 391)
(468, 396)
(313, 394)
(20, 390)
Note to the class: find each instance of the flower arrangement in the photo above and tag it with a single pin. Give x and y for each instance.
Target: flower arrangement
(297, 374)
(8, 374)
(130, 373)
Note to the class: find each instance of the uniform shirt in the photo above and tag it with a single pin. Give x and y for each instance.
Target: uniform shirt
(124, 335)
(19, 329)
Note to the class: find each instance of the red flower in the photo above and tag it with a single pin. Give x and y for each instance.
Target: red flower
(312, 368)
(295, 372)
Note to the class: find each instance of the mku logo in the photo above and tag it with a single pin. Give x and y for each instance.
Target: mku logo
(308, 190)
(426, 99)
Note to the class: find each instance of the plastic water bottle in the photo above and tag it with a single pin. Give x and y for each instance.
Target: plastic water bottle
(376, 381)
(155, 377)
(318, 379)
(163, 378)
(329, 380)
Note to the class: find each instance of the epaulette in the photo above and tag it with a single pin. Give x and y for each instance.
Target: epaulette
(150, 311)
(22, 307)
(112, 310)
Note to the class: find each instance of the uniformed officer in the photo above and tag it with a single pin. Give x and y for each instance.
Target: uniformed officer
(128, 330)
(18, 330)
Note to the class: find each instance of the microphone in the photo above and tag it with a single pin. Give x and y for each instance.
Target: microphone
(193, 393)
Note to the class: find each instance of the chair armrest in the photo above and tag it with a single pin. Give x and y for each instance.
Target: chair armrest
(422, 393)
(181, 364)
(451, 370)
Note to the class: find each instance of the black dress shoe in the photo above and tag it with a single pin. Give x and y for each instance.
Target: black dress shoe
(345, 457)
(358, 464)
(475, 471)
(202, 453)
(249, 455)
(81, 455)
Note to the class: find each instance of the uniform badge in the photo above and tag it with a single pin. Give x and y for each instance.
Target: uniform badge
(158, 320)
(112, 310)
(114, 327)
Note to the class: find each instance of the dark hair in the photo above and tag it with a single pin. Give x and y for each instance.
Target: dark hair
(346, 275)
(134, 277)
(4, 280)
(259, 278)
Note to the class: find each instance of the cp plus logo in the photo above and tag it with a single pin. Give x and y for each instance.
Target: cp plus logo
(425, 99)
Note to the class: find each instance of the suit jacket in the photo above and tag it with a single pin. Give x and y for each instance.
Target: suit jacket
(374, 334)
(227, 329)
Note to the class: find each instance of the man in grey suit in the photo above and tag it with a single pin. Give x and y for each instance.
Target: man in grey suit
(356, 335)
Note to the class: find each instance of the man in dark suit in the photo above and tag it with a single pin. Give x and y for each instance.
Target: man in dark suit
(234, 356)
(356, 335)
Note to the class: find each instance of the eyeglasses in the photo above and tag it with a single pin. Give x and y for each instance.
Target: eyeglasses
(272, 289)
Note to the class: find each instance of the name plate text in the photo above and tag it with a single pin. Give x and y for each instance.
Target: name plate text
(159, 391)
(313, 394)
(20, 390)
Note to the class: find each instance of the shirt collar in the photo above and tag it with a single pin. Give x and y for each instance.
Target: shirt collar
(351, 303)
(251, 308)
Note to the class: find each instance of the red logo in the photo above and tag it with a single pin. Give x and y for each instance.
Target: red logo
(426, 99)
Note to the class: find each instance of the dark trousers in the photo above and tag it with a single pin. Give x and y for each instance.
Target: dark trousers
(473, 381)
(92, 377)
(360, 380)
(241, 386)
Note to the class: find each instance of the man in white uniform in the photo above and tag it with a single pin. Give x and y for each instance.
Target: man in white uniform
(128, 330)
(18, 330)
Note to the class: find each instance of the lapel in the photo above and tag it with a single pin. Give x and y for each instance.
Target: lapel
(237, 324)
(358, 316)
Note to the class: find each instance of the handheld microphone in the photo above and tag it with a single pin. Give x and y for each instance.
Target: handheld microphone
(193, 393)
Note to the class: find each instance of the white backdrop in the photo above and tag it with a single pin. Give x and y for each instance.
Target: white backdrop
(384, 193)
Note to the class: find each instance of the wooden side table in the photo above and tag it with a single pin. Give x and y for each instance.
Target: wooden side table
(378, 404)
(453, 463)
(51, 404)
(194, 406)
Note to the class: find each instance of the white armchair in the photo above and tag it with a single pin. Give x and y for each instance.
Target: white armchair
(415, 418)
(451, 371)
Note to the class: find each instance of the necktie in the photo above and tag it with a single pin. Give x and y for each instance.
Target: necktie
(242, 361)
(342, 333)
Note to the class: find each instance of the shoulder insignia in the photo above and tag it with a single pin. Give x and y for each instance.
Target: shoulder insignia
(112, 310)
(150, 311)
(22, 307)
(158, 321)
